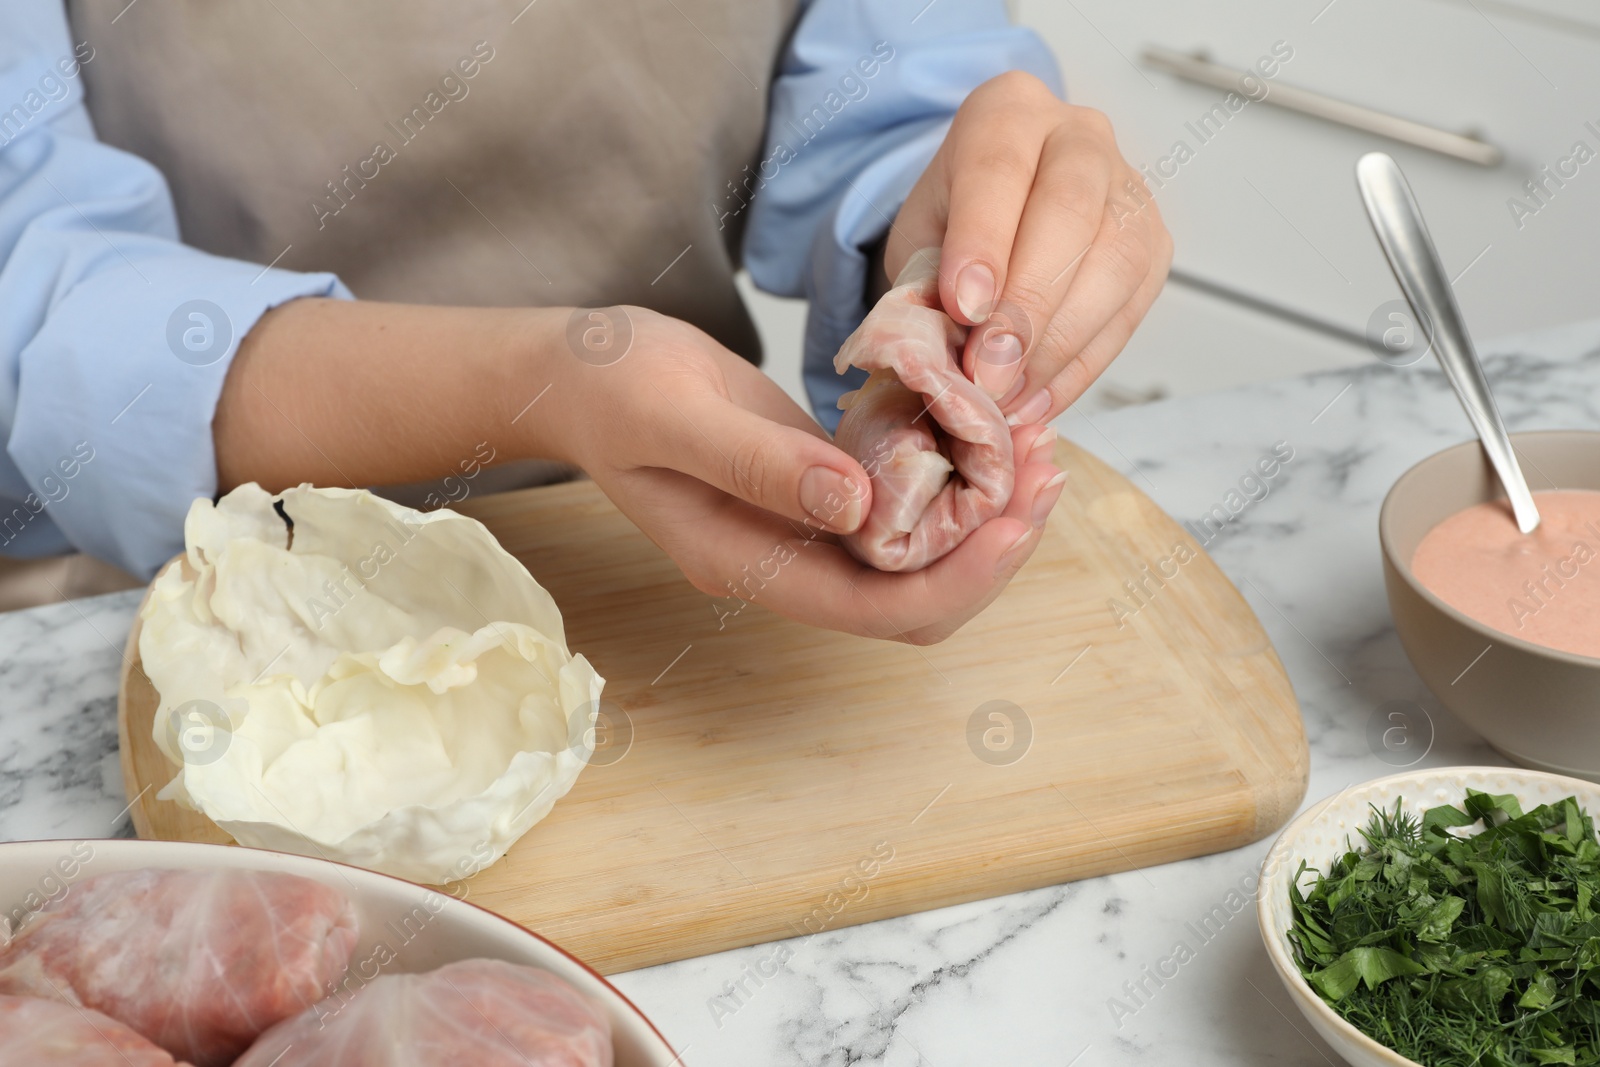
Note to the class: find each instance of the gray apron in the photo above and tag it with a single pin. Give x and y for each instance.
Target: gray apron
(486, 153)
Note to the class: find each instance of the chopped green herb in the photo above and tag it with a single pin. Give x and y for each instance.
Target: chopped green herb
(1462, 949)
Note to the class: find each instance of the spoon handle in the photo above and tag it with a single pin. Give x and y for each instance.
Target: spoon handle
(1397, 221)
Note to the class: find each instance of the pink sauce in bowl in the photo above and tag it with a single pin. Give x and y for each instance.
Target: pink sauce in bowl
(1543, 587)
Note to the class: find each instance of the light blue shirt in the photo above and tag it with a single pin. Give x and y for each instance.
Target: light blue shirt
(115, 337)
(810, 225)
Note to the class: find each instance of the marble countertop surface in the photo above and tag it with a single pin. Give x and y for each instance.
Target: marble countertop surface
(1043, 977)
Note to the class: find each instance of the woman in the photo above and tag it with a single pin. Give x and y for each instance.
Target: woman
(479, 174)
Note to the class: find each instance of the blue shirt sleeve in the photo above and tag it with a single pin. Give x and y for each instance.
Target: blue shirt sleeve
(114, 337)
(864, 95)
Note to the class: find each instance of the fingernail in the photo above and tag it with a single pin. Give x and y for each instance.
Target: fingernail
(1032, 411)
(831, 498)
(999, 362)
(975, 292)
(1049, 493)
(1043, 445)
(1009, 556)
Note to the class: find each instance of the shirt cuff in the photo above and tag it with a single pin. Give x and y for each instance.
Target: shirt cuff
(116, 394)
(837, 285)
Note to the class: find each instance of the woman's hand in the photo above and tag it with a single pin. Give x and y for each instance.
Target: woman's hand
(1051, 243)
(745, 492)
(700, 449)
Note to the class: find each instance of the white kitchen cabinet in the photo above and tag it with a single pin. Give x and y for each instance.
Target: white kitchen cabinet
(1573, 16)
(1266, 205)
(1276, 271)
(1195, 342)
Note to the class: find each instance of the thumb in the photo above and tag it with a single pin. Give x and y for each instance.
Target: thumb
(780, 468)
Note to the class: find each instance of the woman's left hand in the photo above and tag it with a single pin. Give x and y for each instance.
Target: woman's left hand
(1052, 243)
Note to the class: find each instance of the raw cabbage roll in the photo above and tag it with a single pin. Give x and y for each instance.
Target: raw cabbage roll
(199, 962)
(34, 1031)
(480, 1012)
(935, 445)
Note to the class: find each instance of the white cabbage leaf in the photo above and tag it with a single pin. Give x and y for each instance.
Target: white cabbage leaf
(384, 687)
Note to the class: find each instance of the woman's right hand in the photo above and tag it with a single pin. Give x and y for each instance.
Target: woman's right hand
(714, 462)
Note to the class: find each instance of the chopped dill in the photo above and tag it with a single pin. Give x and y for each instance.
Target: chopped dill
(1478, 950)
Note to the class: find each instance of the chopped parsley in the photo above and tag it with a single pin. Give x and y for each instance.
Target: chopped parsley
(1455, 950)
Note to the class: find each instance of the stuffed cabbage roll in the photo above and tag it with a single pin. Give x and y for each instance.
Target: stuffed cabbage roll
(199, 962)
(481, 1012)
(34, 1031)
(936, 447)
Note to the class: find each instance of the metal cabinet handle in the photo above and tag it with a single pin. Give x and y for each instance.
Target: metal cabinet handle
(1204, 72)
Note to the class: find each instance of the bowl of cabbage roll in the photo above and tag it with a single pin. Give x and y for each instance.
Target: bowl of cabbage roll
(154, 954)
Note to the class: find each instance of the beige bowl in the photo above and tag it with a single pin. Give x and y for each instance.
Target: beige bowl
(426, 928)
(1319, 835)
(1537, 705)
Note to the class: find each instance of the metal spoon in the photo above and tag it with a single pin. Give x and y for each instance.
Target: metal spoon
(1397, 221)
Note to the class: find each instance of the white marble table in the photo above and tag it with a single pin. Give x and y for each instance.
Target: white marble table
(1030, 978)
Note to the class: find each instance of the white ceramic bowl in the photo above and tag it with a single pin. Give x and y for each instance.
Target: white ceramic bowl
(1319, 835)
(425, 928)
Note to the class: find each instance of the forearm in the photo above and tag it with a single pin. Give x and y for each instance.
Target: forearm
(352, 393)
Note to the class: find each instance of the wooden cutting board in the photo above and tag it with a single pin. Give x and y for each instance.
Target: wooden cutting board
(783, 780)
